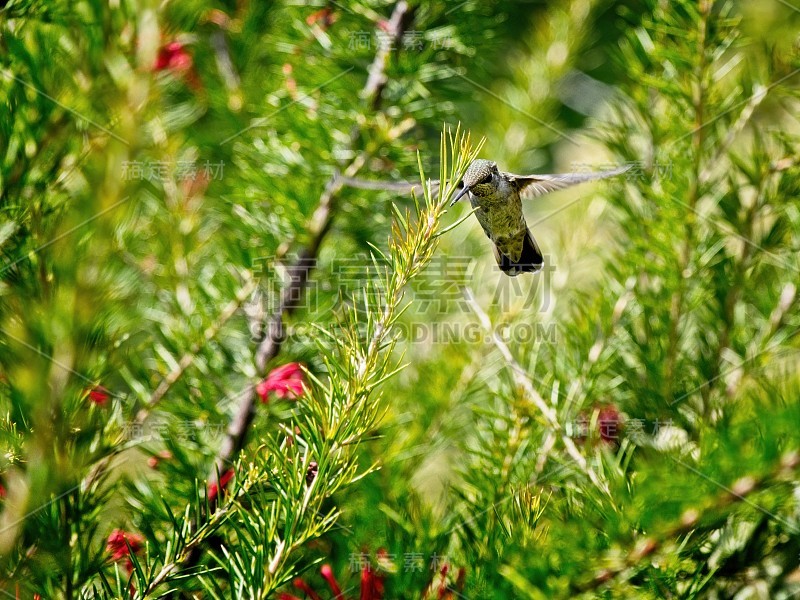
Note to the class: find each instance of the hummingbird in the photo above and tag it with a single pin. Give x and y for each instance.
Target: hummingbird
(496, 198)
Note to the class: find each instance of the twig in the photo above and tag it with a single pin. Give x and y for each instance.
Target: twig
(594, 354)
(377, 79)
(189, 357)
(691, 519)
(270, 345)
(101, 467)
(299, 272)
(759, 95)
(522, 380)
(224, 62)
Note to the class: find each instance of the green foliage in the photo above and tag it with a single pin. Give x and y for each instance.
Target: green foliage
(622, 424)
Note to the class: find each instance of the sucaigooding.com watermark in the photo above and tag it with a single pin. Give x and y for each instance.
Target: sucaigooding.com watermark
(448, 332)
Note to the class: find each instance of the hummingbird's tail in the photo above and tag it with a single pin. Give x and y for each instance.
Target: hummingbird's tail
(530, 259)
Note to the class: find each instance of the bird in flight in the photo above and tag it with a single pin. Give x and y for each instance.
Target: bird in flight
(496, 198)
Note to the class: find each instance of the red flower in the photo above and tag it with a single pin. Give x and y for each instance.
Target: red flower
(609, 425)
(305, 588)
(609, 422)
(327, 574)
(371, 585)
(119, 549)
(326, 17)
(224, 479)
(99, 395)
(311, 472)
(286, 381)
(153, 461)
(173, 57)
(443, 588)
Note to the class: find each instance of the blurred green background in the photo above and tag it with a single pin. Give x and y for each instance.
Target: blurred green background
(159, 160)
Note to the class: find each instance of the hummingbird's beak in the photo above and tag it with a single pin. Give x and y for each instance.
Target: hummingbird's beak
(463, 191)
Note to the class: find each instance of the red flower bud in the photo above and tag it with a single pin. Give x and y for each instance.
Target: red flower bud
(609, 422)
(286, 382)
(121, 544)
(325, 17)
(213, 488)
(99, 395)
(327, 574)
(153, 461)
(311, 472)
(173, 57)
(305, 588)
(371, 584)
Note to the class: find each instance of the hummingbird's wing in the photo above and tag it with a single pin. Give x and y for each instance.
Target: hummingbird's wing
(390, 186)
(532, 186)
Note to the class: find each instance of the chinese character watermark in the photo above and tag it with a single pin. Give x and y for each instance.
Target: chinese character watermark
(158, 170)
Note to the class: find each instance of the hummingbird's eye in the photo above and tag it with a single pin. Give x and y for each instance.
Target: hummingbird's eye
(487, 178)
